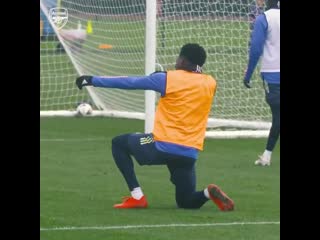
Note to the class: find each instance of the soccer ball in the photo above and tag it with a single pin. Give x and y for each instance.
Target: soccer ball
(84, 109)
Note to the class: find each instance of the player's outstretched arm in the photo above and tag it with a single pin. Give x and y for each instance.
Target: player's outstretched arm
(155, 82)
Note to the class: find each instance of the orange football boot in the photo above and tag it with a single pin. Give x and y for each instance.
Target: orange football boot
(130, 202)
(221, 199)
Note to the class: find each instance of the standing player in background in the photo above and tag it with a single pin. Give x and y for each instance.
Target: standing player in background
(265, 43)
(255, 10)
(179, 130)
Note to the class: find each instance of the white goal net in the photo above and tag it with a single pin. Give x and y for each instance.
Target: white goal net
(107, 37)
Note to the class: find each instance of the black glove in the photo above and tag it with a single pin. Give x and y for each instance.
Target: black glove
(84, 81)
(246, 83)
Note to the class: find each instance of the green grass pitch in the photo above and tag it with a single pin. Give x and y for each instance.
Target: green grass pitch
(79, 183)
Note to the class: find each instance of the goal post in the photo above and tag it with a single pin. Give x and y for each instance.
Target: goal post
(150, 61)
(123, 37)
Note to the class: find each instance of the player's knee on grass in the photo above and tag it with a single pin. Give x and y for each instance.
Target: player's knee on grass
(184, 181)
(182, 202)
(186, 202)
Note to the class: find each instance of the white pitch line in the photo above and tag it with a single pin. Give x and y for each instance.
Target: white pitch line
(155, 226)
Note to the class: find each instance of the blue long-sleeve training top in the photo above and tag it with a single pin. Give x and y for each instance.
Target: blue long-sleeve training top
(156, 82)
(258, 39)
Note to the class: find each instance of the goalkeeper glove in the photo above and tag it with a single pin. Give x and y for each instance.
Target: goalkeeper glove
(84, 81)
(246, 83)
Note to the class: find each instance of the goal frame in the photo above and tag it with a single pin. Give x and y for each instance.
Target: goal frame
(253, 129)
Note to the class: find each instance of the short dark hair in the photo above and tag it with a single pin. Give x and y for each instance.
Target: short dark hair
(194, 53)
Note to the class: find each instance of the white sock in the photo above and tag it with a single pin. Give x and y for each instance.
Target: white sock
(206, 193)
(267, 154)
(137, 193)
